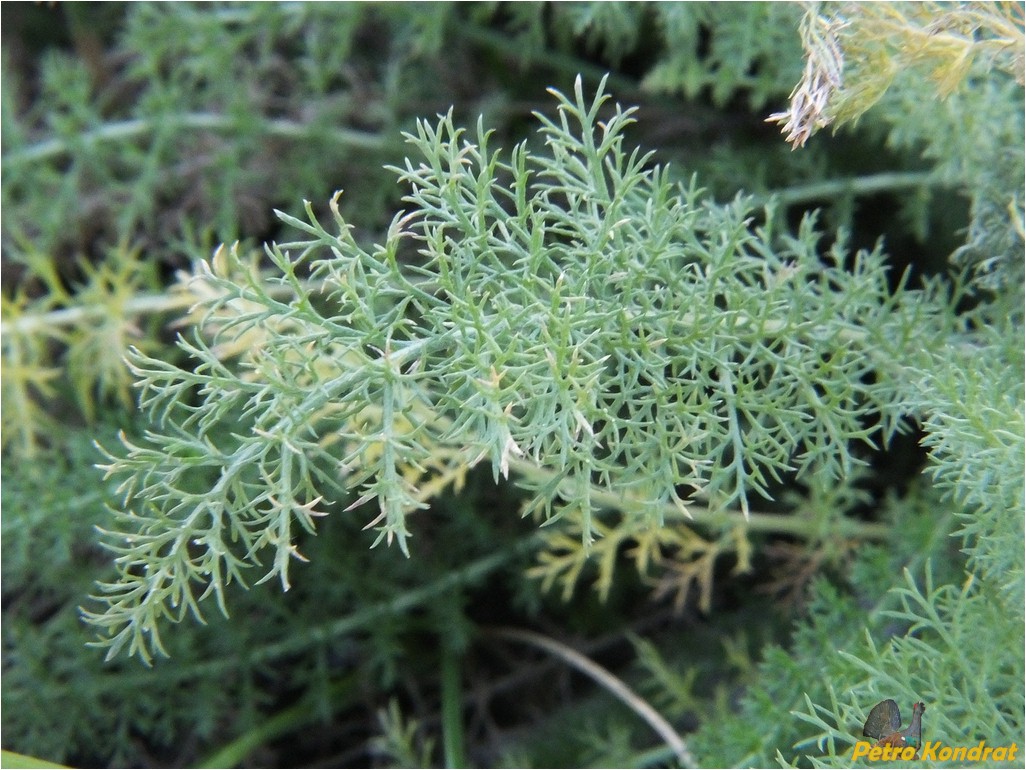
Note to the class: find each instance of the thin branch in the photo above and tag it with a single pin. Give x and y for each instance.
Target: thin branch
(396, 606)
(615, 685)
(130, 129)
(143, 304)
(857, 186)
(789, 524)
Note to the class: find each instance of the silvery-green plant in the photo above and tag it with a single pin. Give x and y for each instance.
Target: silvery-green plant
(567, 315)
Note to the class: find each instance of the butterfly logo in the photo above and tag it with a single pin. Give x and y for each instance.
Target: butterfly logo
(884, 724)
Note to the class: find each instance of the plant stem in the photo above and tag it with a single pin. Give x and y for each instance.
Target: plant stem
(144, 304)
(615, 685)
(452, 709)
(556, 60)
(295, 643)
(785, 524)
(289, 720)
(860, 185)
(14, 759)
(130, 129)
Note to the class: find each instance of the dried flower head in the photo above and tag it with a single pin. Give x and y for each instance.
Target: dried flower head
(824, 69)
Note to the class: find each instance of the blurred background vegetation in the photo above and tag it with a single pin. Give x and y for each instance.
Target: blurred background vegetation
(138, 137)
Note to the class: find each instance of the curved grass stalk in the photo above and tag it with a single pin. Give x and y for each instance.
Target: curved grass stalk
(613, 684)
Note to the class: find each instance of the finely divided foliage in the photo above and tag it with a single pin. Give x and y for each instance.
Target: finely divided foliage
(570, 315)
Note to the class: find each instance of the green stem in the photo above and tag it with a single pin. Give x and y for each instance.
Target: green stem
(144, 304)
(130, 129)
(304, 639)
(284, 722)
(860, 185)
(510, 45)
(798, 524)
(13, 759)
(452, 709)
